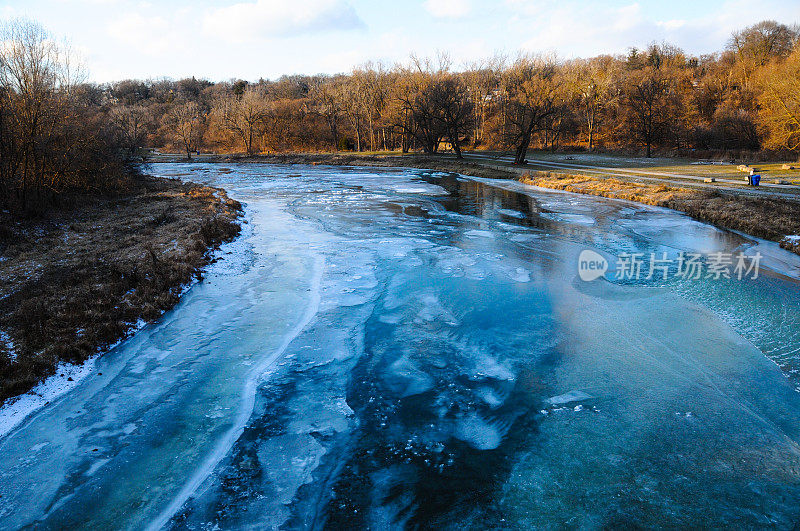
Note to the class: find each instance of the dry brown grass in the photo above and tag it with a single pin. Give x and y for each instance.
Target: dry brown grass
(771, 219)
(78, 281)
(650, 194)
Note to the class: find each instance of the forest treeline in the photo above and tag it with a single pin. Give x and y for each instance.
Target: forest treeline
(57, 133)
(744, 98)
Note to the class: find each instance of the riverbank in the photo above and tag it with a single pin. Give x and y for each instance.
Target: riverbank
(78, 281)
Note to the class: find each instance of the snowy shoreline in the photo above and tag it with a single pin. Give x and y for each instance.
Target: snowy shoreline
(67, 377)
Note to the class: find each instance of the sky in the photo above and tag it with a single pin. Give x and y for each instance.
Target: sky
(251, 39)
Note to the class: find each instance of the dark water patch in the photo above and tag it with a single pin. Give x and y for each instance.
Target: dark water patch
(443, 409)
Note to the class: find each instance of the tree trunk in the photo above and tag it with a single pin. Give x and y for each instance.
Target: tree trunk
(371, 134)
(522, 148)
(454, 143)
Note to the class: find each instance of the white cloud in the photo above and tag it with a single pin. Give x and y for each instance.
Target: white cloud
(219, 38)
(152, 35)
(577, 29)
(265, 19)
(672, 25)
(448, 8)
(72, 3)
(530, 7)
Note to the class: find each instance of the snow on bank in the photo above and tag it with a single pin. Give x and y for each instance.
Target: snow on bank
(774, 257)
(67, 376)
(9, 344)
(790, 243)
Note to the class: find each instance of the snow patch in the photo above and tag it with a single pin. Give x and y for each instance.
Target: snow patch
(566, 398)
(512, 213)
(418, 188)
(9, 343)
(520, 274)
(579, 219)
(67, 377)
(406, 379)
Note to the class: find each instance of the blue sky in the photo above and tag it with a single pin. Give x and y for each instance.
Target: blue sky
(266, 38)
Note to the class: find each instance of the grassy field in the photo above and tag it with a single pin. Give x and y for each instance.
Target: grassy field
(78, 281)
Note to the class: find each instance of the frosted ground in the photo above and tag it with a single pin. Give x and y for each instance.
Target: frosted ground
(388, 348)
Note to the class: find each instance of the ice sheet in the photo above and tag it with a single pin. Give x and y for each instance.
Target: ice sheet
(396, 348)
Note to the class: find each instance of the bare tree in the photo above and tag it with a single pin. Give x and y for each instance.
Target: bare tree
(31, 75)
(50, 142)
(780, 104)
(483, 80)
(326, 93)
(133, 123)
(419, 112)
(532, 91)
(398, 113)
(245, 116)
(354, 104)
(592, 83)
(186, 120)
(451, 106)
(757, 45)
(369, 95)
(649, 106)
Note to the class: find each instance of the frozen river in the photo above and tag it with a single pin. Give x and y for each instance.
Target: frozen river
(389, 348)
